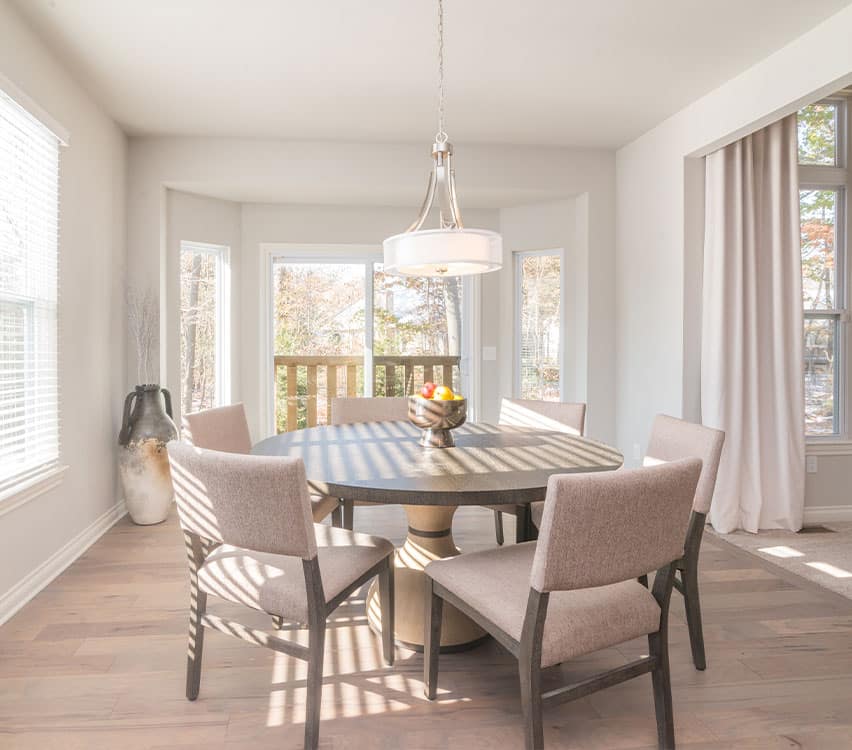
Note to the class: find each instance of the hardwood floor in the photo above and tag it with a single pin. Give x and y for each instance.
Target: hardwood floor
(96, 661)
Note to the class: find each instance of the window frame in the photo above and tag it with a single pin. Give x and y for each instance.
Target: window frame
(836, 178)
(517, 272)
(368, 255)
(222, 395)
(39, 479)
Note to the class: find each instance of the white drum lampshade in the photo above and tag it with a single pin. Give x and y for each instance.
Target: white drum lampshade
(443, 252)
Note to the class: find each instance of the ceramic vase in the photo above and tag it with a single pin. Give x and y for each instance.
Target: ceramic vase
(143, 460)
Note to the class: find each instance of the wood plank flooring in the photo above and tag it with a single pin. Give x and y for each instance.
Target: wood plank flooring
(96, 661)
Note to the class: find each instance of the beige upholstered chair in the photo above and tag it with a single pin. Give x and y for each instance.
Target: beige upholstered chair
(251, 540)
(560, 416)
(672, 439)
(575, 590)
(225, 429)
(356, 410)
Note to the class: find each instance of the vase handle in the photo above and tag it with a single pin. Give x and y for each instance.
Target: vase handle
(168, 399)
(124, 434)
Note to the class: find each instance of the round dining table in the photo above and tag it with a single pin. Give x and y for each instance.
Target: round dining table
(383, 462)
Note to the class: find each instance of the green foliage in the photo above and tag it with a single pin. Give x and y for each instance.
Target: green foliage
(818, 134)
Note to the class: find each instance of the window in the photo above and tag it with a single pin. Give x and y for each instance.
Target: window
(204, 330)
(823, 178)
(342, 327)
(29, 218)
(538, 326)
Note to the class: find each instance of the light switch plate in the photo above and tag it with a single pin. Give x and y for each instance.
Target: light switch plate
(489, 353)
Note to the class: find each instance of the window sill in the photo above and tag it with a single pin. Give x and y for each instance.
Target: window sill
(828, 447)
(31, 489)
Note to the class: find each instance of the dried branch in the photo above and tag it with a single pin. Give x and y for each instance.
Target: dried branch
(143, 316)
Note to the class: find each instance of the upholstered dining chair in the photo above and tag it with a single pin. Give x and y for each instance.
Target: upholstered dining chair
(560, 416)
(575, 590)
(353, 410)
(673, 439)
(225, 428)
(251, 540)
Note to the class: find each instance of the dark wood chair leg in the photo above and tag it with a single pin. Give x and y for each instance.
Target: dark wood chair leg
(529, 668)
(198, 603)
(277, 622)
(530, 675)
(498, 527)
(386, 600)
(431, 640)
(643, 580)
(337, 517)
(523, 523)
(661, 679)
(348, 514)
(316, 644)
(691, 601)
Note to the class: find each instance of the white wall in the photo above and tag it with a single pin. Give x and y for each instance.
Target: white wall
(319, 193)
(92, 334)
(658, 218)
(197, 218)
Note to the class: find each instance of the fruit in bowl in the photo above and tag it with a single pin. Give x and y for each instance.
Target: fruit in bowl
(437, 415)
(428, 390)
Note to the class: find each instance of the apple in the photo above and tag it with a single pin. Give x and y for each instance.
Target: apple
(443, 393)
(428, 390)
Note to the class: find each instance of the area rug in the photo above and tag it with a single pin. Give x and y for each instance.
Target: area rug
(820, 554)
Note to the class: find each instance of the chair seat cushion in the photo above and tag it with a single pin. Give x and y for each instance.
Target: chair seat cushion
(496, 583)
(276, 583)
(536, 512)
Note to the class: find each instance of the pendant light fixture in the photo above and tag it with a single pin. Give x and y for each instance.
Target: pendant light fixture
(451, 249)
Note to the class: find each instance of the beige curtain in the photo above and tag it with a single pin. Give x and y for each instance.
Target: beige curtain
(752, 383)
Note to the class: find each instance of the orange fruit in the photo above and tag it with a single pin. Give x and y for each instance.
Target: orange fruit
(443, 393)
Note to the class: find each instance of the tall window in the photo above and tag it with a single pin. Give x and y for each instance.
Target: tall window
(342, 327)
(204, 339)
(823, 181)
(538, 326)
(29, 217)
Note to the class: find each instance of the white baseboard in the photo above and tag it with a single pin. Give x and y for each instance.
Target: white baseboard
(827, 513)
(16, 597)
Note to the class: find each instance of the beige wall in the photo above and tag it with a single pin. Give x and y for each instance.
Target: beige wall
(35, 537)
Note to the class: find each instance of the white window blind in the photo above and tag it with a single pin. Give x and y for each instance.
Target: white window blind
(29, 217)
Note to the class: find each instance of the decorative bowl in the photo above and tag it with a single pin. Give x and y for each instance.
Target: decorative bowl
(436, 419)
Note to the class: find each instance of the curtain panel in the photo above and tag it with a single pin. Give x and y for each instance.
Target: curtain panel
(752, 382)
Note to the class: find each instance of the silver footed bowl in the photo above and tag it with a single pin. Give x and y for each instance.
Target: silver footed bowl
(436, 419)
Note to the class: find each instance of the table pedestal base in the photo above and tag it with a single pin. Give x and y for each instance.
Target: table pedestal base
(429, 538)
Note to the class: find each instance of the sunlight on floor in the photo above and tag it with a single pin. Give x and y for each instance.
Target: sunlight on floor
(781, 551)
(830, 569)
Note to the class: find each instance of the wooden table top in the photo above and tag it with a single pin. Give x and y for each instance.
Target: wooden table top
(382, 462)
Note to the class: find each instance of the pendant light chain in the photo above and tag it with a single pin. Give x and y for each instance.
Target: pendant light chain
(441, 136)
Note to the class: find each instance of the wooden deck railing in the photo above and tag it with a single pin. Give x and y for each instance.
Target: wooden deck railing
(305, 385)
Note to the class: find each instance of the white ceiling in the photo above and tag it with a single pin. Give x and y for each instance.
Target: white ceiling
(547, 72)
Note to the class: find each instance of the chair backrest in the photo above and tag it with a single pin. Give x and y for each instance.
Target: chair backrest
(257, 502)
(672, 439)
(560, 416)
(608, 527)
(224, 428)
(354, 410)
